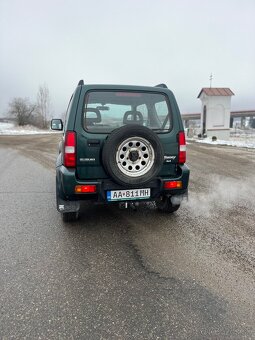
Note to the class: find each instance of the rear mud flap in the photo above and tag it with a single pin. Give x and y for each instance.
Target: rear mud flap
(67, 206)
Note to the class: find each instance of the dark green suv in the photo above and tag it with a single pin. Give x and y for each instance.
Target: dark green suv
(121, 144)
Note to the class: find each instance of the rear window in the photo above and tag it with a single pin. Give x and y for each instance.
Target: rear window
(105, 111)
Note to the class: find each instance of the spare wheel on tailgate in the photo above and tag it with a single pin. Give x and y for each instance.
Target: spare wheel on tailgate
(132, 155)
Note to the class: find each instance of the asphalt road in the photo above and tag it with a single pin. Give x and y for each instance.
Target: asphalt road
(124, 274)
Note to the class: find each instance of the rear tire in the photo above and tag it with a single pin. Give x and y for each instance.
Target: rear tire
(165, 205)
(70, 216)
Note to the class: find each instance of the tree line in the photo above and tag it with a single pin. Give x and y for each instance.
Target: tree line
(36, 113)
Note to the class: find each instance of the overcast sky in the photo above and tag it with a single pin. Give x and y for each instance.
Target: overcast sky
(141, 42)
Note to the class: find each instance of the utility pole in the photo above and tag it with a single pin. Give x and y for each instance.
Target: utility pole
(211, 78)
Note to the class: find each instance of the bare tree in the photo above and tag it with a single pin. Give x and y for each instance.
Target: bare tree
(43, 103)
(22, 109)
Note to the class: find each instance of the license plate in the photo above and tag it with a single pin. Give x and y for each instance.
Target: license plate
(125, 195)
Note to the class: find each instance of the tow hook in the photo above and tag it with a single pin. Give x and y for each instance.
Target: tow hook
(132, 205)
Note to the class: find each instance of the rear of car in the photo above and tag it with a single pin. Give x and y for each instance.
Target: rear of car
(122, 144)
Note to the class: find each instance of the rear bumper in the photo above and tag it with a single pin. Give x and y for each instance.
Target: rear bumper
(67, 180)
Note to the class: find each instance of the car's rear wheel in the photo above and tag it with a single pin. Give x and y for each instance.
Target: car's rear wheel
(164, 204)
(133, 155)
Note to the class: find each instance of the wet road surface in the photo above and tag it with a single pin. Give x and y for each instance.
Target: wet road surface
(124, 274)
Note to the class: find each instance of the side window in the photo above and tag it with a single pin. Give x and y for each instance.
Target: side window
(163, 114)
(68, 112)
(144, 111)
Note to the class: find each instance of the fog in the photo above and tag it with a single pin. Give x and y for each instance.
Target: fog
(141, 42)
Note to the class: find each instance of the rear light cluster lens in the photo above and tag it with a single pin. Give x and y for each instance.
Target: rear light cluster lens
(70, 149)
(173, 185)
(182, 148)
(82, 189)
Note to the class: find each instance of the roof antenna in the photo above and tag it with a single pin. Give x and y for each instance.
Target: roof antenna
(211, 78)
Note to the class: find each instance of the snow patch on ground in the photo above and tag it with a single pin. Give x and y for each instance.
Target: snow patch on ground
(242, 138)
(12, 129)
(245, 143)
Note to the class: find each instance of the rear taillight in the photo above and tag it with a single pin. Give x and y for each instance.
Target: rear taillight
(85, 189)
(173, 185)
(70, 149)
(182, 148)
